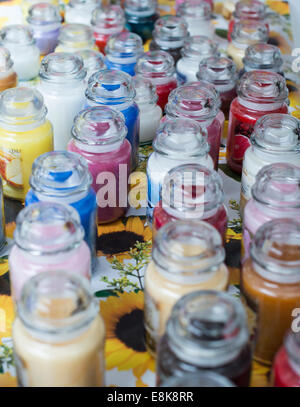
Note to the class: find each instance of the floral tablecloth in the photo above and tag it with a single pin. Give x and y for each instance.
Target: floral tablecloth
(124, 247)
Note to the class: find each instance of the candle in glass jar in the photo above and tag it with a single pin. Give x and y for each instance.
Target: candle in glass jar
(80, 11)
(75, 37)
(141, 16)
(263, 57)
(8, 77)
(197, 15)
(286, 367)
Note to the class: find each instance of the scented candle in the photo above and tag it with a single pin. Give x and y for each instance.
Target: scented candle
(262, 57)
(259, 93)
(18, 39)
(271, 283)
(8, 77)
(122, 51)
(141, 16)
(158, 67)
(48, 236)
(169, 34)
(286, 368)
(187, 256)
(150, 112)
(93, 61)
(99, 136)
(191, 191)
(193, 52)
(197, 15)
(246, 33)
(275, 139)
(45, 21)
(80, 11)
(276, 194)
(199, 101)
(75, 37)
(178, 141)
(115, 89)
(25, 133)
(200, 379)
(62, 85)
(107, 20)
(58, 334)
(63, 177)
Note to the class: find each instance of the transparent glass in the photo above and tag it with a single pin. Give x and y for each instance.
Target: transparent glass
(75, 37)
(286, 367)
(80, 11)
(141, 16)
(93, 61)
(263, 57)
(197, 15)
(200, 379)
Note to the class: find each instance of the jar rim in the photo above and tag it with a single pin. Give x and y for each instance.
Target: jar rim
(62, 67)
(155, 64)
(17, 34)
(44, 14)
(263, 57)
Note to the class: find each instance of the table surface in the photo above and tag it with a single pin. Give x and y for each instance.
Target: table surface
(128, 241)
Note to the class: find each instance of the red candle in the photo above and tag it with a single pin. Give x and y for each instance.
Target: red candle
(286, 369)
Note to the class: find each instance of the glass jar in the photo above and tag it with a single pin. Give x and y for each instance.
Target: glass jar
(170, 150)
(270, 282)
(122, 51)
(45, 21)
(93, 61)
(62, 85)
(99, 136)
(178, 2)
(286, 368)
(199, 101)
(194, 51)
(207, 330)
(246, 33)
(276, 194)
(253, 10)
(259, 93)
(26, 4)
(141, 16)
(80, 11)
(263, 57)
(115, 89)
(107, 20)
(63, 177)
(191, 191)
(150, 112)
(200, 379)
(169, 34)
(197, 15)
(275, 139)
(58, 334)
(75, 37)
(187, 256)
(19, 41)
(158, 67)
(25, 133)
(8, 77)
(48, 236)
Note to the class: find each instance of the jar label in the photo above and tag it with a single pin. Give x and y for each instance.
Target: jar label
(152, 316)
(11, 171)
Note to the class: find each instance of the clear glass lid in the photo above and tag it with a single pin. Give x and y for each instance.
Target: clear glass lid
(110, 87)
(277, 133)
(6, 62)
(199, 379)
(124, 45)
(263, 56)
(44, 14)
(71, 34)
(155, 64)
(250, 10)
(199, 47)
(205, 324)
(82, 4)
(218, 71)
(142, 8)
(197, 9)
(62, 67)
(171, 30)
(249, 32)
(107, 17)
(93, 61)
(21, 106)
(47, 228)
(180, 139)
(60, 174)
(16, 35)
(192, 191)
(145, 90)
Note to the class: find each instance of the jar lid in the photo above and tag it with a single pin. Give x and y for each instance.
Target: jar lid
(263, 57)
(194, 9)
(61, 67)
(170, 29)
(75, 34)
(81, 4)
(218, 71)
(110, 87)
(6, 62)
(278, 186)
(155, 64)
(196, 100)
(199, 47)
(199, 379)
(93, 61)
(99, 126)
(145, 90)
(108, 17)
(277, 133)
(44, 14)
(262, 87)
(192, 191)
(141, 8)
(124, 45)
(16, 34)
(249, 32)
(47, 228)
(21, 106)
(181, 138)
(60, 174)
(250, 10)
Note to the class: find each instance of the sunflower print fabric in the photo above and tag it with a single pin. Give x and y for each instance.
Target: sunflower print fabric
(124, 246)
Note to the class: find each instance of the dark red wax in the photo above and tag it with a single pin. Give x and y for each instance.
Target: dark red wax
(284, 375)
(163, 92)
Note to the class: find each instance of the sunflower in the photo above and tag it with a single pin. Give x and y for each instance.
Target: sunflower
(294, 97)
(6, 316)
(280, 7)
(125, 336)
(7, 380)
(260, 375)
(279, 41)
(117, 238)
